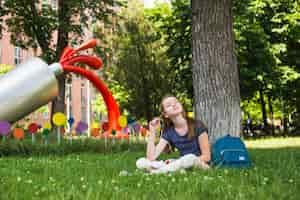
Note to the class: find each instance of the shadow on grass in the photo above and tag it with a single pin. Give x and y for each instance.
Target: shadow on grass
(26, 148)
(262, 157)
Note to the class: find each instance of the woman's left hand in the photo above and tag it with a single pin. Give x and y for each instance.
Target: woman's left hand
(201, 164)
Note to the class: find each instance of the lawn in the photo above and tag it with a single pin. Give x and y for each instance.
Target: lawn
(95, 174)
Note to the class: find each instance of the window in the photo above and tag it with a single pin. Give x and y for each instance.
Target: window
(83, 104)
(71, 111)
(69, 97)
(83, 114)
(18, 57)
(83, 95)
(45, 2)
(53, 4)
(46, 115)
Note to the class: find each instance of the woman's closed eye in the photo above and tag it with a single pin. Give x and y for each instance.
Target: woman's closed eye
(169, 106)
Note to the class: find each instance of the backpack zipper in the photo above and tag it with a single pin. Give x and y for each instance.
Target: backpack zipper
(222, 152)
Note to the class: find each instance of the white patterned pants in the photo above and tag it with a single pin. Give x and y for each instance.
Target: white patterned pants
(184, 162)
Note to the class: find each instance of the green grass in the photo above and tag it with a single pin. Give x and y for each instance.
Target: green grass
(94, 173)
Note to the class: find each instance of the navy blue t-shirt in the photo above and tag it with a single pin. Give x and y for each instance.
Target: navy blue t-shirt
(183, 143)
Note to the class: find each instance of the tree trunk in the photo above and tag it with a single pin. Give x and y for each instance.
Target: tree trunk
(215, 74)
(58, 105)
(146, 98)
(42, 41)
(263, 108)
(271, 114)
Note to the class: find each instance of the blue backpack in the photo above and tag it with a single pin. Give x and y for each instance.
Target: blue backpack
(230, 151)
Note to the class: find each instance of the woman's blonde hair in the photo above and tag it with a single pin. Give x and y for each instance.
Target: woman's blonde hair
(167, 123)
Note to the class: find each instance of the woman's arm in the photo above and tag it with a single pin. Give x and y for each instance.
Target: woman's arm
(154, 151)
(204, 147)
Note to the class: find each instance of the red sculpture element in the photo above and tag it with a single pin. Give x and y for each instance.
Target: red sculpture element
(112, 107)
(93, 62)
(68, 59)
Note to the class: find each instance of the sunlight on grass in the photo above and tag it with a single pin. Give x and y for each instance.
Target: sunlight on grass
(274, 143)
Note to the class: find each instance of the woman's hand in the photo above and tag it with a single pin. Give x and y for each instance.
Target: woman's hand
(154, 126)
(201, 164)
(154, 151)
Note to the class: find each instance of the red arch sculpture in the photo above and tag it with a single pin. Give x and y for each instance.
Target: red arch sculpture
(68, 59)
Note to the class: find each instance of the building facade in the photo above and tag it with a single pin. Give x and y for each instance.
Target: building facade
(79, 92)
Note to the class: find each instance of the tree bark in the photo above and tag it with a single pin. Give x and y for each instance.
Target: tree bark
(215, 74)
(271, 113)
(263, 108)
(40, 36)
(58, 105)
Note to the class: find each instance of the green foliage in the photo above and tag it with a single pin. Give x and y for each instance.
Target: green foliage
(267, 55)
(4, 68)
(252, 108)
(175, 26)
(256, 61)
(43, 109)
(267, 38)
(120, 94)
(141, 66)
(33, 24)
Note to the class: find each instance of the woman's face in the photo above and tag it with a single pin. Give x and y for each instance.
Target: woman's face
(171, 107)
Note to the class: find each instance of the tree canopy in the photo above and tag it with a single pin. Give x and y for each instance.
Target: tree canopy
(267, 48)
(51, 27)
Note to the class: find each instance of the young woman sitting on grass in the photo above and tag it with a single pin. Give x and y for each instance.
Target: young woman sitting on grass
(187, 135)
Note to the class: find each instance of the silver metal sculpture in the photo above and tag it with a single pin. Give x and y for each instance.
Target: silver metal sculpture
(29, 86)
